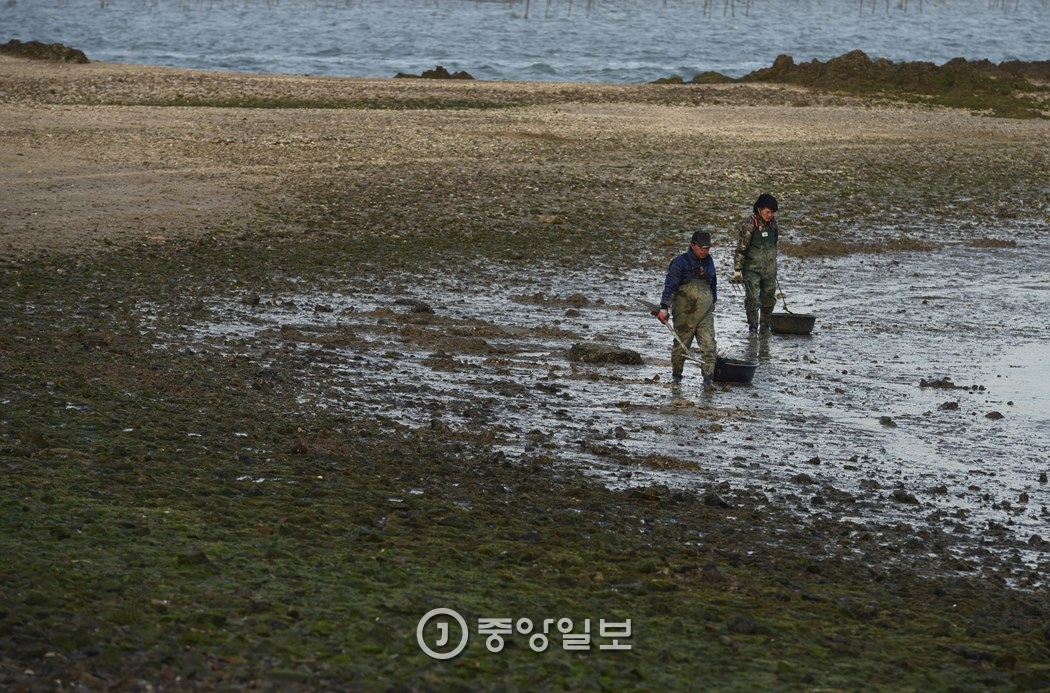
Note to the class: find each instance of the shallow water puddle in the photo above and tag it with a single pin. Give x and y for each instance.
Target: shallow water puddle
(919, 398)
(1022, 373)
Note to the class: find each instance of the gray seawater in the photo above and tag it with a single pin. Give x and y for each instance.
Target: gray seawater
(621, 41)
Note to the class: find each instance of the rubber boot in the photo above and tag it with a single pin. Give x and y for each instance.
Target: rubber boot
(763, 325)
(751, 313)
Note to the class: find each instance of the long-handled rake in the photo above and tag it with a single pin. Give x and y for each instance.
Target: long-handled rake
(654, 309)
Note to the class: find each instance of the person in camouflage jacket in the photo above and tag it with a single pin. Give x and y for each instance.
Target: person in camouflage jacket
(755, 263)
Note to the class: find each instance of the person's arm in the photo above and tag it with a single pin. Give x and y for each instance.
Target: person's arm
(743, 242)
(671, 283)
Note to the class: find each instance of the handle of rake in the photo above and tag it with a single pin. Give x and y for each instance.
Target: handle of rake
(782, 296)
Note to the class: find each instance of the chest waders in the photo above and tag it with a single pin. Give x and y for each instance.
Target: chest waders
(694, 318)
(760, 277)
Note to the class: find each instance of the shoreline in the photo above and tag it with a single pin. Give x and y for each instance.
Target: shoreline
(168, 135)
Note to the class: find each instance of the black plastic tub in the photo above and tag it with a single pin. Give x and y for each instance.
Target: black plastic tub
(792, 323)
(734, 370)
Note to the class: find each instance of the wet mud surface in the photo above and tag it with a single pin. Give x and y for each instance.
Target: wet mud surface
(859, 474)
(311, 469)
(919, 402)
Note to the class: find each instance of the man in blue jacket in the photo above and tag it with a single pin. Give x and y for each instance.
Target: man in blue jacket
(690, 293)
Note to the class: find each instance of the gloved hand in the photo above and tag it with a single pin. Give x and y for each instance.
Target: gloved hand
(662, 315)
(738, 277)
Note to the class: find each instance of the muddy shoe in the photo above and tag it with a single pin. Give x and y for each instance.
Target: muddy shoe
(709, 386)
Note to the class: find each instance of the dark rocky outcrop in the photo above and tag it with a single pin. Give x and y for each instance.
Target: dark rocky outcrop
(438, 72)
(856, 68)
(43, 51)
(1010, 89)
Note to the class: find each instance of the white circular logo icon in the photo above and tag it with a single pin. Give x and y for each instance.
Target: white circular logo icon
(443, 634)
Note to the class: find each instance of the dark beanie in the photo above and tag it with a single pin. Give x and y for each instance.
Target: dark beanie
(765, 201)
(702, 239)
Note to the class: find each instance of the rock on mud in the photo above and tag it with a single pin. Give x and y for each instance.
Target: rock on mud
(589, 352)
